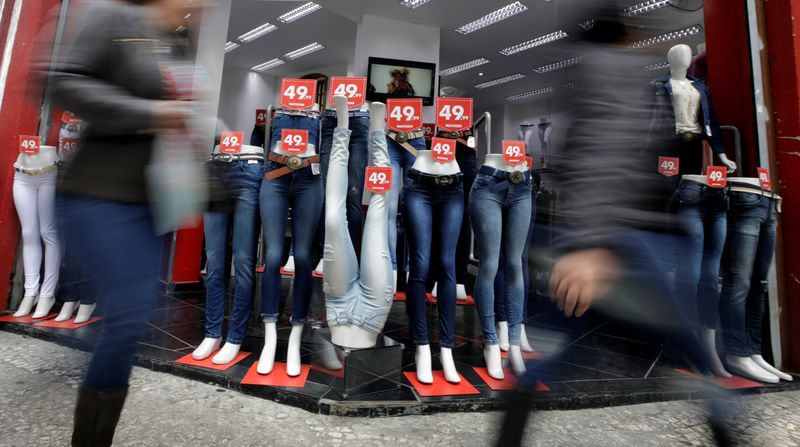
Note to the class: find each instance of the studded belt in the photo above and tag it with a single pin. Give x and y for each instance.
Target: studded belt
(459, 136)
(435, 180)
(290, 164)
(402, 138)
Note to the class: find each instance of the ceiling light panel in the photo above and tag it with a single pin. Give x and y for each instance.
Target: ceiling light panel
(499, 81)
(501, 14)
(645, 7)
(558, 65)
(299, 12)
(587, 25)
(300, 52)
(666, 37)
(658, 66)
(533, 43)
(413, 4)
(230, 46)
(525, 95)
(463, 67)
(257, 32)
(268, 64)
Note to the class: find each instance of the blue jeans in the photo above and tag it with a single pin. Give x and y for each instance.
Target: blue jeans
(118, 246)
(467, 160)
(402, 160)
(701, 212)
(431, 212)
(500, 213)
(750, 247)
(356, 166)
(244, 179)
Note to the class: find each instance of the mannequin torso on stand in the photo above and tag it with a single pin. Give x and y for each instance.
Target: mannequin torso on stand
(47, 156)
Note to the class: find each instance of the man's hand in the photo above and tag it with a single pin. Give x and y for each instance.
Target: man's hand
(171, 115)
(581, 277)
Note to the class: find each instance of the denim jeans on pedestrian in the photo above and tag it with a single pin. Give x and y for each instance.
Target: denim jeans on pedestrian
(701, 211)
(752, 221)
(402, 160)
(243, 180)
(432, 212)
(118, 247)
(500, 213)
(467, 160)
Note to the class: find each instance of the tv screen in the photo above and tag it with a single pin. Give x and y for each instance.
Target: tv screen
(392, 78)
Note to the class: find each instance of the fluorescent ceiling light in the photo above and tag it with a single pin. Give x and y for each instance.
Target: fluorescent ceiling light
(571, 84)
(465, 66)
(645, 7)
(558, 65)
(230, 46)
(413, 4)
(492, 18)
(300, 52)
(499, 81)
(299, 12)
(268, 64)
(658, 66)
(524, 95)
(672, 35)
(257, 32)
(587, 25)
(541, 40)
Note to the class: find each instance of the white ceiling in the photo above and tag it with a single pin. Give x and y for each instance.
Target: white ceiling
(335, 27)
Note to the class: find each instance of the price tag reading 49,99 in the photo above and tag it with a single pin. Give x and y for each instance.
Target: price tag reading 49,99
(29, 145)
(261, 117)
(231, 142)
(513, 152)
(298, 94)
(354, 89)
(763, 178)
(443, 149)
(294, 141)
(404, 115)
(717, 176)
(378, 179)
(68, 146)
(454, 114)
(669, 166)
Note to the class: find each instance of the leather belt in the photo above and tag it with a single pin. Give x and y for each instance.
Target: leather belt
(435, 180)
(689, 136)
(402, 139)
(290, 164)
(511, 178)
(36, 171)
(456, 135)
(308, 113)
(228, 158)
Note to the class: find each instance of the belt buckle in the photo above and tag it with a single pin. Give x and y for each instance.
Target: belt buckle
(444, 180)
(689, 136)
(516, 177)
(401, 137)
(454, 134)
(294, 163)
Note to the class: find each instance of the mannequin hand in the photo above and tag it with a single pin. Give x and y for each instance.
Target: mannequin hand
(731, 165)
(581, 277)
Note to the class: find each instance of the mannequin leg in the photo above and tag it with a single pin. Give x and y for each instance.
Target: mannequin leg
(500, 306)
(293, 366)
(486, 217)
(85, 312)
(25, 200)
(267, 359)
(46, 196)
(468, 164)
(515, 229)
(715, 231)
(396, 157)
(356, 166)
(417, 209)
(215, 227)
(306, 199)
(526, 271)
(67, 311)
(274, 201)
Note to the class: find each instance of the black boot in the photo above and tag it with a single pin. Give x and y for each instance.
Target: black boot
(96, 416)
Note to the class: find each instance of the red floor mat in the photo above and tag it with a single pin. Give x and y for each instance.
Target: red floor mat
(734, 383)
(188, 360)
(27, 319)
(508, 383)
(441, 387)
(69, 324)
(277, 377)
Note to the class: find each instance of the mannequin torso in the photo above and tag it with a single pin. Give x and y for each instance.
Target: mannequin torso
(47, 156)
(426, 164)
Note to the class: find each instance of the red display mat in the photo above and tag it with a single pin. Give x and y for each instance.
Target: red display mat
(440, 386)
(401, 296)
(69, 324)
(286, 273)
(27, 319)
(508, 383)
(318, 366)
(260, 269)
(314, 274)
(277, 377)
(525, 355)
(734, 383)
(206, 363)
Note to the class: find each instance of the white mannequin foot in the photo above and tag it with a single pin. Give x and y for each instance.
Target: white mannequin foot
(423, 360)
(85, 312)
(289, 267)
(746, 367)
(515, 356)
(394, 272)
(461, 292)
(26, 306)
(502, 335)
(206, 348)
(318, 268)
(67, 310)
(267, 360)
(433, 291)
(494, 364)
(708, 337)
(759, 360)
(327, 353)
(449, 366)
(43, 307)
(293, 353)
(226, 355)
(524, 344)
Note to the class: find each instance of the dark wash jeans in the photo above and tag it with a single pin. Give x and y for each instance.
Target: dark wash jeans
(244, 180)
(432, 212)
(467, 160)
(117, 245)
(752, 221)
(401, 160)
(702, 212)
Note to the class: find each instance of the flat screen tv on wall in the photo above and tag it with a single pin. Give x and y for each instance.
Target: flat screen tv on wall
(392, 78)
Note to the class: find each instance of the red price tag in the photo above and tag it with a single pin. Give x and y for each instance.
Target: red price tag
(294, 141)
(430, 130)
(513, 152)
(298, 94)
(763, 178)
(454, 114)
(354, 89)
(70, 118)
(669, 166)
(29, 145)
(404, 115)
(529, 160)
(443, 149)
(261, 117)
(717, 176)
(231, 142)
(378, 179)
(68, 145)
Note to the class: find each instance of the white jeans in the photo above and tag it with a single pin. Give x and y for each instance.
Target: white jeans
(34, 197)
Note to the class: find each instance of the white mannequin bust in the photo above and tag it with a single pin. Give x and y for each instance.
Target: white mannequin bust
(427, 164)
(47, 156)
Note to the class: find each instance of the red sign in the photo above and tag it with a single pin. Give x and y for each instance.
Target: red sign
(513, 152)
(404, 115)
(231, 142)
(443, 149)
(430, 130)
(529, 160)
(294, 141)
(669, 166)
(717, 176)
(379, 179)
(70, 118)
(354, 89)
(29, 145)
(261, 117)
(68, 145)
(763, 178)
(298, 94)
(454, 114)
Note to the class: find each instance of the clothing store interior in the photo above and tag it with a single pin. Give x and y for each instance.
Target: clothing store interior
(459, 178)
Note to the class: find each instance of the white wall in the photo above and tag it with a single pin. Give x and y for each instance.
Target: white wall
(244, 91)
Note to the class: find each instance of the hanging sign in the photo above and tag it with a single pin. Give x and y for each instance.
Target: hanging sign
(68, 146)
(404, 115)
(298, 94)
(513, 152)
(443, 149)
(529, 160)
(261, 117)
(763, 178)
(29, 145)
(669, 166)
(378, 179)
(454, 114)
(70, 118)
(294, 141)
(430, 130)
(717, 176)
(231, 142)
(354, 89)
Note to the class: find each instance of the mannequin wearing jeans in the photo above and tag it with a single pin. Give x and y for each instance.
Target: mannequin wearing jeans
(402, 159)
(433, 205)
(34, 197)
(301, 190)
(467, 160)
(500, 211)
(240, 173)
(357, 300)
